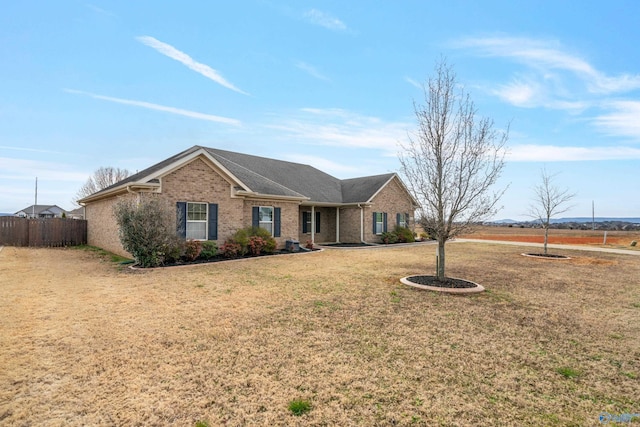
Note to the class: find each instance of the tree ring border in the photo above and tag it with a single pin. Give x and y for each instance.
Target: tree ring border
(477, 289)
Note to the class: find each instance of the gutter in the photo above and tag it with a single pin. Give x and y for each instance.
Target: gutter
(244, 193)
(114, 191)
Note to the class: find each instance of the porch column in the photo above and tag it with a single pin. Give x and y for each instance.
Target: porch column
(337, 225)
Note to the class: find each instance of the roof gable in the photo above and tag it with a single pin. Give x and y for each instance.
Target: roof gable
(362, 190)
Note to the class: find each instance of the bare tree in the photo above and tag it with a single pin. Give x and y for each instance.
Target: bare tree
(452, 161)
(549, 201)
(101, 179)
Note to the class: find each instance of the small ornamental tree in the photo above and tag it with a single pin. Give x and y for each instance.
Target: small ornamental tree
(147, 228)
(549, 200)
(451, 162)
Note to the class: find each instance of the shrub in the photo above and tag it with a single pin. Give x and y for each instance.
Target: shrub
(192, 249)
(244, 235)
(389, 238)
(173, 250)
(270, 242)
(146, 228)
(209, 250)
(256, 245)
(398, 235)
(404, 234)
(241, 237)
(231, 249)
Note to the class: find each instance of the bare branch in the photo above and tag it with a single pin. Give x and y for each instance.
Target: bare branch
(452, 160)
(102, 178)
(549, 201)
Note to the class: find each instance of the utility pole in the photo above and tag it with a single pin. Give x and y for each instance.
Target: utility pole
(33, 211)
(593, 215)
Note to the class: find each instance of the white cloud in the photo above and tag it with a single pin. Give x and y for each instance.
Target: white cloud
(189, 62)
(547, 56)
(519, 93)
(100, 10)
(311, 70)
(622, 121)
(413, 82)
(553, 153)
(23, 169)
(323, 19)
(342, 128)
(150, 106)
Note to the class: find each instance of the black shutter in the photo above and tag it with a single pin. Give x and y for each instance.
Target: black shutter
(276, 222)
(213, 222)
(317, 222)
(255, 217)
(384, 222)
(306, 217)
(375, 214)
(181, 219)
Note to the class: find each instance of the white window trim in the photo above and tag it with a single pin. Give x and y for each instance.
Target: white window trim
(381, 222)
(309, 223)
(404, 220)
(260, 221)
(198, 221)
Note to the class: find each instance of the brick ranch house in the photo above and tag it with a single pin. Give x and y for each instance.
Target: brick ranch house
(217, 192)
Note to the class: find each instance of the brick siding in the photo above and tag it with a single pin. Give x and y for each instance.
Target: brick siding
(197, 182)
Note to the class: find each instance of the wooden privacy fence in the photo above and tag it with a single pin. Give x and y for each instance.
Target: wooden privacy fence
(50, 232)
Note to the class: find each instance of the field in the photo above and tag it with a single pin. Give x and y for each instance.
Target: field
(613, 239)
(84, 341)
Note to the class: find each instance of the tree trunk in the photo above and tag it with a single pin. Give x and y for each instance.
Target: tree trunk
(440, 260)
(546, 237)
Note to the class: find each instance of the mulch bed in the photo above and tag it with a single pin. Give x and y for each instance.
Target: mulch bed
(446, 283)
(552, 256)
(220, 258)
(348, 245)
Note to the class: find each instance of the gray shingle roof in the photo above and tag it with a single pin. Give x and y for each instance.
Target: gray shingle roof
(303, 180)
(358, 190)
(277, 177)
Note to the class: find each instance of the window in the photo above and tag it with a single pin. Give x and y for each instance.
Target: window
(268, 218)
(265, 218)
(403, 220)
(379, 222)
(306, 222)
(197, 221)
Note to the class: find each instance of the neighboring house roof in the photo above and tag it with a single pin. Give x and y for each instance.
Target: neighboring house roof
(264, 176)
(41, 210)
(77, 212)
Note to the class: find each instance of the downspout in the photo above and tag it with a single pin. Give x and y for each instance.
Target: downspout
(129, 190)
(337, 224)
(361, 223)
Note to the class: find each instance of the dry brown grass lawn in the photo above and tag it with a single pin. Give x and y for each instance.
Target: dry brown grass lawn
(85, 342)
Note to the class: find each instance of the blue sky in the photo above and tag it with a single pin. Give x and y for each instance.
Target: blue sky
(328, 83)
